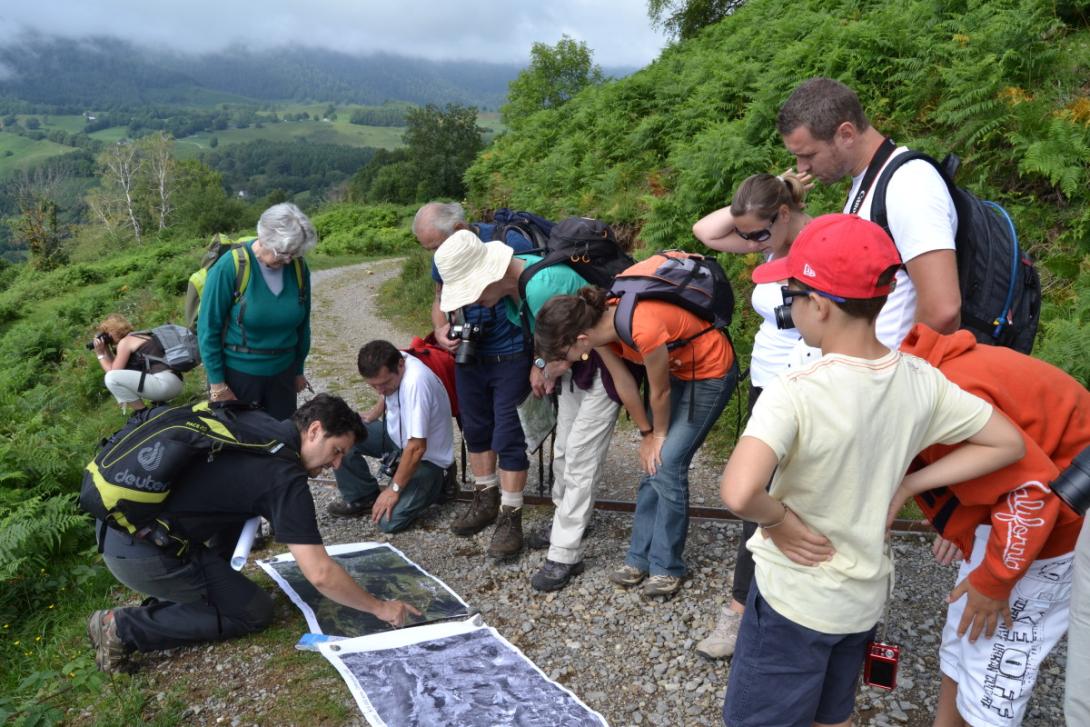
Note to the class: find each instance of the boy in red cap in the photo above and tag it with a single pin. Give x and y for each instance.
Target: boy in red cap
(839, 435)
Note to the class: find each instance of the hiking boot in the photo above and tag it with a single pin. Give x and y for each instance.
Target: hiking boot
(553, 576)
(662, 585)
(480, 514)
(719, 644)
(539, 539)
(449, 489)
(111, 654)
(507, 537)
(627, 576)
(359, 508)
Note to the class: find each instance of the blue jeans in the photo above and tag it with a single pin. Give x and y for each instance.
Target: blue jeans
(355, 481)
(661, 523)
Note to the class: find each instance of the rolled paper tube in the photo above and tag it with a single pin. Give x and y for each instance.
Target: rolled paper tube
(245, 542)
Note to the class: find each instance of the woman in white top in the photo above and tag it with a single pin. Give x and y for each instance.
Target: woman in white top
(765, 216)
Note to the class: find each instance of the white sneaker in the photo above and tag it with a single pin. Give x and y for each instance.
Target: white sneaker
(719, 644)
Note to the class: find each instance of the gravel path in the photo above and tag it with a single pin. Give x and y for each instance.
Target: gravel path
(630, 658)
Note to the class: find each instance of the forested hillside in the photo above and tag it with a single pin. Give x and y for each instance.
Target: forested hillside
(1002, 84)
(104, 73)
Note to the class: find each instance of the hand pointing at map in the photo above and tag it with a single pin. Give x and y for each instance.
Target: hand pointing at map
(395, 612)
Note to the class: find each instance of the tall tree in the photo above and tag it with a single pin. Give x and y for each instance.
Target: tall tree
(441, 144)
(157, 153)
(684, 18)
(120, 165)
(556, 73)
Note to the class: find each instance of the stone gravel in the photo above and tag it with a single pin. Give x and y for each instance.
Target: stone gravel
(628, 657)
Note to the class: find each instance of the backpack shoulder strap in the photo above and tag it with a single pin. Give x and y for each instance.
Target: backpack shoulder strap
(242, 270)
(300, 279)
(622, 318)
(878, 211)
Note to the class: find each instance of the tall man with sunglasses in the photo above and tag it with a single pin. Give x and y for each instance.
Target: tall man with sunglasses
(824, 127)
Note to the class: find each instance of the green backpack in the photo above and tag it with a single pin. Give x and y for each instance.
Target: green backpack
(129, 481)
(221, 245)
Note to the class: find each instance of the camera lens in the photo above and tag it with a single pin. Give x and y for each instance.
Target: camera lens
(466, 352)
(1073, 484)
(783, 317)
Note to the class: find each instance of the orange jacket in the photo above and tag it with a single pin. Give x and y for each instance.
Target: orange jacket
(1053, 411)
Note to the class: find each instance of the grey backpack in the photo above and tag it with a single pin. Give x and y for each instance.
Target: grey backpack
(180, 350)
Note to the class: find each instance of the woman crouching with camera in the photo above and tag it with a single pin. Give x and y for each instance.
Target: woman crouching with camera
(689, 387)
(130, 376)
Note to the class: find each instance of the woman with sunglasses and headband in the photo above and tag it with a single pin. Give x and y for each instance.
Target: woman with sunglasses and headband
(765, 216)
(254, 348)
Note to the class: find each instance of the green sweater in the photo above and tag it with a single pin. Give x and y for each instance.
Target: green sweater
(276, 328)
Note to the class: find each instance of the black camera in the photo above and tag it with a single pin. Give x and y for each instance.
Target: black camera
(468, 333)
(389, 463)
(1073, 484)
(783, 317)
(104, 337)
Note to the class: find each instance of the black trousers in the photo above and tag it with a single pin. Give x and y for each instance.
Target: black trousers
(743, 561)
(193, 599)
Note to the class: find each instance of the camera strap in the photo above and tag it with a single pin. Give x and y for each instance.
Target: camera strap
(880, 635)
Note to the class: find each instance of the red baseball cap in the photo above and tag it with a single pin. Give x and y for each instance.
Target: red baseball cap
(843, 255)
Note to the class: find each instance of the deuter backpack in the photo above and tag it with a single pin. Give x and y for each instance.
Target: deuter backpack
(1000, 287)
(587, 246)
(688, 280)
(129, 481)
(220, 246)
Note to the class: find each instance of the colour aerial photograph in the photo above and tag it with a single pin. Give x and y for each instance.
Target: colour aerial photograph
(654, 363)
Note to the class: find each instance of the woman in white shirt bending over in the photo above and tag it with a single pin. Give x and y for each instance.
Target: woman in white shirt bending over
(765, 216)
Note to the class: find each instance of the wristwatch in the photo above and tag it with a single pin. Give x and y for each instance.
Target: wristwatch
(540, 363)
(394, 487)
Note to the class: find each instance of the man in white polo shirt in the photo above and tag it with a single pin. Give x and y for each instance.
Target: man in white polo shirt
(409, 429)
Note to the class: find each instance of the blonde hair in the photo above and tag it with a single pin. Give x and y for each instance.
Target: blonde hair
(116, 326)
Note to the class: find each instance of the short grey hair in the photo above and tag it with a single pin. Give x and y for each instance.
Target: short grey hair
(446, 218)
(284, 228)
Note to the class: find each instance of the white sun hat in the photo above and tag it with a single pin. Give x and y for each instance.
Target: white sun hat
(467, 267)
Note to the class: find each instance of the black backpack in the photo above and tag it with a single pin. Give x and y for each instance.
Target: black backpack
(1000, 287)
(535, 228)
(688, 280)
(128, 482)
(587, 246)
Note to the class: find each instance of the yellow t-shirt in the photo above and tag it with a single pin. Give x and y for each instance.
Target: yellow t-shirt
(845, 430)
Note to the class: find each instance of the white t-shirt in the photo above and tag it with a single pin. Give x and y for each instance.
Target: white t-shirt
(420, 409)
(922, 218)
(771, 347)
(845, 430)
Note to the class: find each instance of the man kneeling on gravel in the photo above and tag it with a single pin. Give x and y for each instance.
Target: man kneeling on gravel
(410, 430)
(1010, 605)
(196, 596)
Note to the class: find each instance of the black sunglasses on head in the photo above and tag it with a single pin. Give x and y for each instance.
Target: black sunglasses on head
(758, 235)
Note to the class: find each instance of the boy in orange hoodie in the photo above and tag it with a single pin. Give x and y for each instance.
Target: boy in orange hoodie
(1016, 535)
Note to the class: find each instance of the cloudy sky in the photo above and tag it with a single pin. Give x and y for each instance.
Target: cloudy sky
(497, 30)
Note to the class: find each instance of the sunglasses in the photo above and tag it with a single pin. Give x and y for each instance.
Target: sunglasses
(758, 235)
(789, 294)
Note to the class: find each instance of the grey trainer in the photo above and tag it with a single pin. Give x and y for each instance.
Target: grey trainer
(627, 576)
(111, 654)
(719, 644)
(553, 575)
(661, 585)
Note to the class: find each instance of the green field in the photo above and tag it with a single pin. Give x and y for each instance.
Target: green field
(25, 152)
(325, 132)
